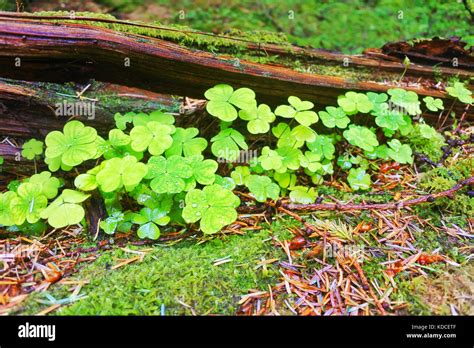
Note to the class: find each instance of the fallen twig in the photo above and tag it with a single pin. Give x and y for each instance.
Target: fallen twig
(382, 206)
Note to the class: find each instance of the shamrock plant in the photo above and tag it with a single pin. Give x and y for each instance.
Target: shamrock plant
(362, 137)
(358, 179)
(168, 174)
(299, 110)
(213, 206)
(433, 104)
(75, 145)
(270, 159)
(32, 148)
(223, 100)
(227, 144)
(203, 170)
(185, 143)
(149, 220)
(153, 173)
(154, 136)
(353, 103)
(6, 216)
(334, 117)
(120, 172)
(240, 174)
(28, 204)
(284, 136)
(262, 187)
(399, 152)
(48, 184)
(66, 209)
(459, 91)
(303, 195)
(259, 119)
(408, 100)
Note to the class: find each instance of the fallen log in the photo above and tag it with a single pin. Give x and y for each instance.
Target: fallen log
(55, 48)
(32, 109)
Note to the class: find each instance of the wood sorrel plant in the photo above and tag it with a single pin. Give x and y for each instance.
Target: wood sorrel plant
(151, 174)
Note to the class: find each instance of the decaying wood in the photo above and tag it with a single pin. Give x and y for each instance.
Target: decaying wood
(62, 52)
(30, 109)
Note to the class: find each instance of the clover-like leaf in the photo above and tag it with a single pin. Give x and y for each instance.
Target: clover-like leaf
(262, 187)
(55, 163)
(65, 210)
(285, 179)
(239, 175)
(361, 137)
(290, 158)
(408, 100)
(185, 143)
(358, 179)
(389, 119)
(380, 151)
(311, 161)
(458, 90)
(323, 145)
(121, 121)
(353, 103)
(223, 100)
(88, 181)
(6, 215)
(203, 170)
(28, 204)
(377, 98)
(334, 117)
(142, 119)
(227, 144)
(259, 119)
(399, 152)
(226, 182)
(76, 144)
(118, 138)
(121, 172)
(148, 219)
(154, 136)
(213, 205)
(283, 133)
(112, 222)
(32, 148)
(303, 195)
(433, 104)
(270, 159)
(118, 145)
(168, 174)
(299, 110)
(303, 133)
(49, 185)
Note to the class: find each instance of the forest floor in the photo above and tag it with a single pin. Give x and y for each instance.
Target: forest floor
(415, 261)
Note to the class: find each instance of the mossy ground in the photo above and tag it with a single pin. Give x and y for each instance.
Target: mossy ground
(183, 272)
(434, 296)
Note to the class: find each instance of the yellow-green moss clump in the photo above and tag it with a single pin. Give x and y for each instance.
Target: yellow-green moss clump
(169, 274)
(231, 42)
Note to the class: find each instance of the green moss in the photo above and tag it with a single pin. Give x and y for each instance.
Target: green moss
(442, 178)
(231, 42)
(433, 296)
(183, 272)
